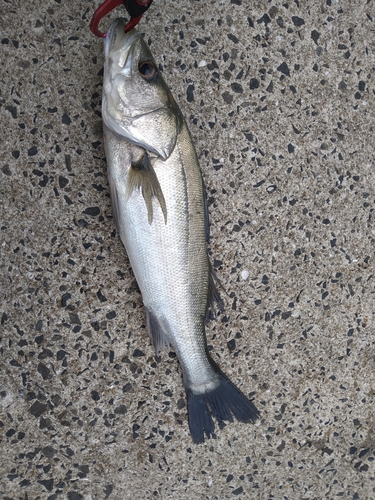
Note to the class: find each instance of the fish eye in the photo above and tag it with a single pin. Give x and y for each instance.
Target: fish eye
(147, 70)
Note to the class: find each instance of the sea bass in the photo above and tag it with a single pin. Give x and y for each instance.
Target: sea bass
(158, 203)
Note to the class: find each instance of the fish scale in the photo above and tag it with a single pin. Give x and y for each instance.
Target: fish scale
(158, 203)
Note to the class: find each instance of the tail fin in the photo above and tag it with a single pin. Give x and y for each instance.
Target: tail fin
(224, 401)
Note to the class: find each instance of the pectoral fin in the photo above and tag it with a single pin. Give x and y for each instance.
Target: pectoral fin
(142, 176)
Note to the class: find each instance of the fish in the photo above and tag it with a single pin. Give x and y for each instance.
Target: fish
(160, 210)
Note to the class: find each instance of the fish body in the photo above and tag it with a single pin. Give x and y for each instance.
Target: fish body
(158, 202)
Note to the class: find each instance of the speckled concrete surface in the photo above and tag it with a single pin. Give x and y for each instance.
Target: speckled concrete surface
(280, 99)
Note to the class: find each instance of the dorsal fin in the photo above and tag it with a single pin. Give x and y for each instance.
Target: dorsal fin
(214, 300)
(206, 215)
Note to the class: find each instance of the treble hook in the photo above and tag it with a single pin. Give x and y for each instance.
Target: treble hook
(135, 8)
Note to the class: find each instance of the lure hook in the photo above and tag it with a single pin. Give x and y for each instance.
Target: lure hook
(135, 8)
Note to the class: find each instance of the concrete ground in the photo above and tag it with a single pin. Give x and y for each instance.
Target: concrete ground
(279, 97)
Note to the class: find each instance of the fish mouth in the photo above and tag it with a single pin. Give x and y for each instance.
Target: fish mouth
(118, 45)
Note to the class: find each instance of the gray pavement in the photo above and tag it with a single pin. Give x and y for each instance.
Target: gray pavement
(280, 101)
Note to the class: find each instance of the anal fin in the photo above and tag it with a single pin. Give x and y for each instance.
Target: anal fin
(156, 332)
(142, 176)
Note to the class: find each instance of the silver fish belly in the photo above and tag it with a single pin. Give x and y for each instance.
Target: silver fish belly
(158, 203)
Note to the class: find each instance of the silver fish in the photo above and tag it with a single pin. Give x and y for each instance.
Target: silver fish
(158, 203)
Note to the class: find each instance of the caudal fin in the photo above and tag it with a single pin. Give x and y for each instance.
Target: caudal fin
(224, 402)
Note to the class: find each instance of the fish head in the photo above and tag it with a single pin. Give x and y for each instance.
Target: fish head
(137, 104)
